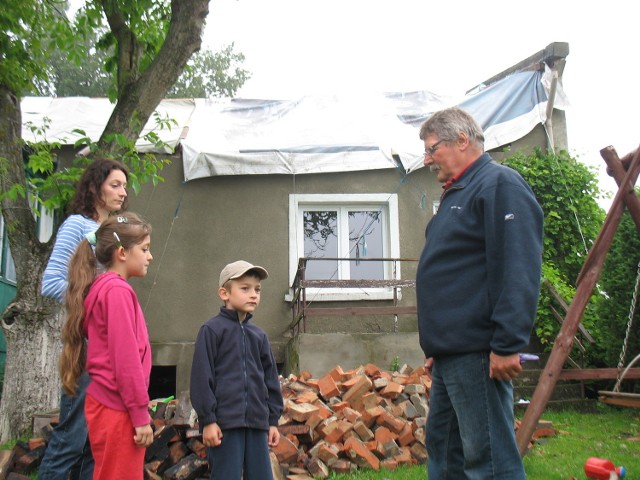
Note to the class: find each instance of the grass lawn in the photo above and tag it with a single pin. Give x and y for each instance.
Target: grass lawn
(610, 432)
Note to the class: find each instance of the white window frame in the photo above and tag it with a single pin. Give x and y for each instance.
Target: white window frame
(44, 226)
(367, 201)
(6, 261)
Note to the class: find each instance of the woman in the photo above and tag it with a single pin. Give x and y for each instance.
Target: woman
(101, 191)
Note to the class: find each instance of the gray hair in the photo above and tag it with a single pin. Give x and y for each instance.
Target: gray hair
(448, 123)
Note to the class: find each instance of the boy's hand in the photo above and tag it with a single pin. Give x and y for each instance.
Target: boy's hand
(212, 435)
(143, 436)
(274, 436)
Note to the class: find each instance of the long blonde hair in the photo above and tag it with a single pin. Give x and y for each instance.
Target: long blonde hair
(124, 230)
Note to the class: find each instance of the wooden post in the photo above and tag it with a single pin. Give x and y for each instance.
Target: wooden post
(586, 282)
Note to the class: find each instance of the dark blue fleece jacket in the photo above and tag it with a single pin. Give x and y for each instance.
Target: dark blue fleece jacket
(478, 277)
(234, 377)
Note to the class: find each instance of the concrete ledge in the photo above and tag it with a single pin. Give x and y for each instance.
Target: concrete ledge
(320, 353)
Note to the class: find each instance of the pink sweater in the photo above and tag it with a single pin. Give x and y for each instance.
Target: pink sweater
(118, 353)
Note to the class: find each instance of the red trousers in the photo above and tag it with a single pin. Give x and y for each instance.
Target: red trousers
(111, 437)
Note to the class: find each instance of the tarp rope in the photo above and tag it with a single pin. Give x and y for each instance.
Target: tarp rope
(166, 242)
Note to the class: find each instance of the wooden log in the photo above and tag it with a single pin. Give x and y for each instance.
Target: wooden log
(189, 468)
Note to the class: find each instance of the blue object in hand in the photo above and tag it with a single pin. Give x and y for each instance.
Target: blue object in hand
(528, 357)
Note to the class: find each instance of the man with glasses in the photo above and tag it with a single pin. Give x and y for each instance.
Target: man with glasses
(477, 291)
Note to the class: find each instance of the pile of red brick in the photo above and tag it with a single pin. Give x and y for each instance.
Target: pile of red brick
(347, 420)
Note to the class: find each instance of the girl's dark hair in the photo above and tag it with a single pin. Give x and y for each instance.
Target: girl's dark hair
(87, 194)
(123, 230)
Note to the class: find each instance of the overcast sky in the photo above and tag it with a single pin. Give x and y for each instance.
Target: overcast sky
(297, 47)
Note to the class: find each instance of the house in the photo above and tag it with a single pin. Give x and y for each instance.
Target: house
(276, 181)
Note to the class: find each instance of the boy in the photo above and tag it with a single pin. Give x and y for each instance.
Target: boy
(235, 388)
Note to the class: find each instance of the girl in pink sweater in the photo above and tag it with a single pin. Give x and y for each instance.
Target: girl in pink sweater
(106, 332)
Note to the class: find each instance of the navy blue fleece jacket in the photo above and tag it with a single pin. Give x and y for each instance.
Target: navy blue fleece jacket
(234, 377)
(478, 277)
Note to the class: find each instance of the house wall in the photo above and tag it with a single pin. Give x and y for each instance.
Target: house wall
(201, 225)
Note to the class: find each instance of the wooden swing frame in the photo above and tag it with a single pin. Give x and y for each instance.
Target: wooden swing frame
(618, 398)
(625, 171)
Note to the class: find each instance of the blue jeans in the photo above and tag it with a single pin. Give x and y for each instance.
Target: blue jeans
(470, 426)
(243, 453)
(68, 453)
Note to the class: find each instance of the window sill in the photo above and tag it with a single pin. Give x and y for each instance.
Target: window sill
(345, 294)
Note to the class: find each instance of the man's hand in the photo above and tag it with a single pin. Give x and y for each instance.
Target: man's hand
(428, 365)
(504, 367)
(212, 435)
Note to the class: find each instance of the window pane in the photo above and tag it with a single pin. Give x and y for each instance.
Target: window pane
(10, 267)
(321, 241)
(7, 267)
(365, 241)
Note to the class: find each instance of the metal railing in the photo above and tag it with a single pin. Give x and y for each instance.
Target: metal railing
(300, 303)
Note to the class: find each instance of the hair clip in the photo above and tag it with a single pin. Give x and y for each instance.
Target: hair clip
(121, 219)
(118, 242)
(91, 238)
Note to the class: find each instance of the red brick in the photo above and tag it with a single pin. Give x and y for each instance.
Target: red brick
(286, 450)
(405, 437)
(362, 386)
(392, 390)
(328, 387)
(383, 435)
(301, 412)
(344, 466)
(394, 424)
(363, 457)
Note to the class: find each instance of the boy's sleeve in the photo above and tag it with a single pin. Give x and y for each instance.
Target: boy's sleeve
(274, 400)
(203, 378)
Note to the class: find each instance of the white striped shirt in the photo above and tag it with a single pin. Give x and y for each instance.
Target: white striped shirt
(70, 234)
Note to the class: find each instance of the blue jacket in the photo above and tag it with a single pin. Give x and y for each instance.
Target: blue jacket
(234, 377)
(478, 277)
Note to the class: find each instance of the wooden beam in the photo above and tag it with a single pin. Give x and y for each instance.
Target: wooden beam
(615, 168)
(597, 374)
(553, 54)
(586, 282)
(620, 398)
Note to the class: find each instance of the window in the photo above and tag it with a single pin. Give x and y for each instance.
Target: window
(358, 227)
(44, 225)
(7, 267)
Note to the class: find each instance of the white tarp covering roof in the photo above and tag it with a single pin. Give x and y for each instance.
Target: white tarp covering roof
(311, 134)
(91, 115)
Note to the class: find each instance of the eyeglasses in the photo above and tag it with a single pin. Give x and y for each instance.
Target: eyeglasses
(428, 152)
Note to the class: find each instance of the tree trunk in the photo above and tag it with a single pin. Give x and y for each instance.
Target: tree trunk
(31, 381)
(32, 331)
(31, 323)
(138, 99)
